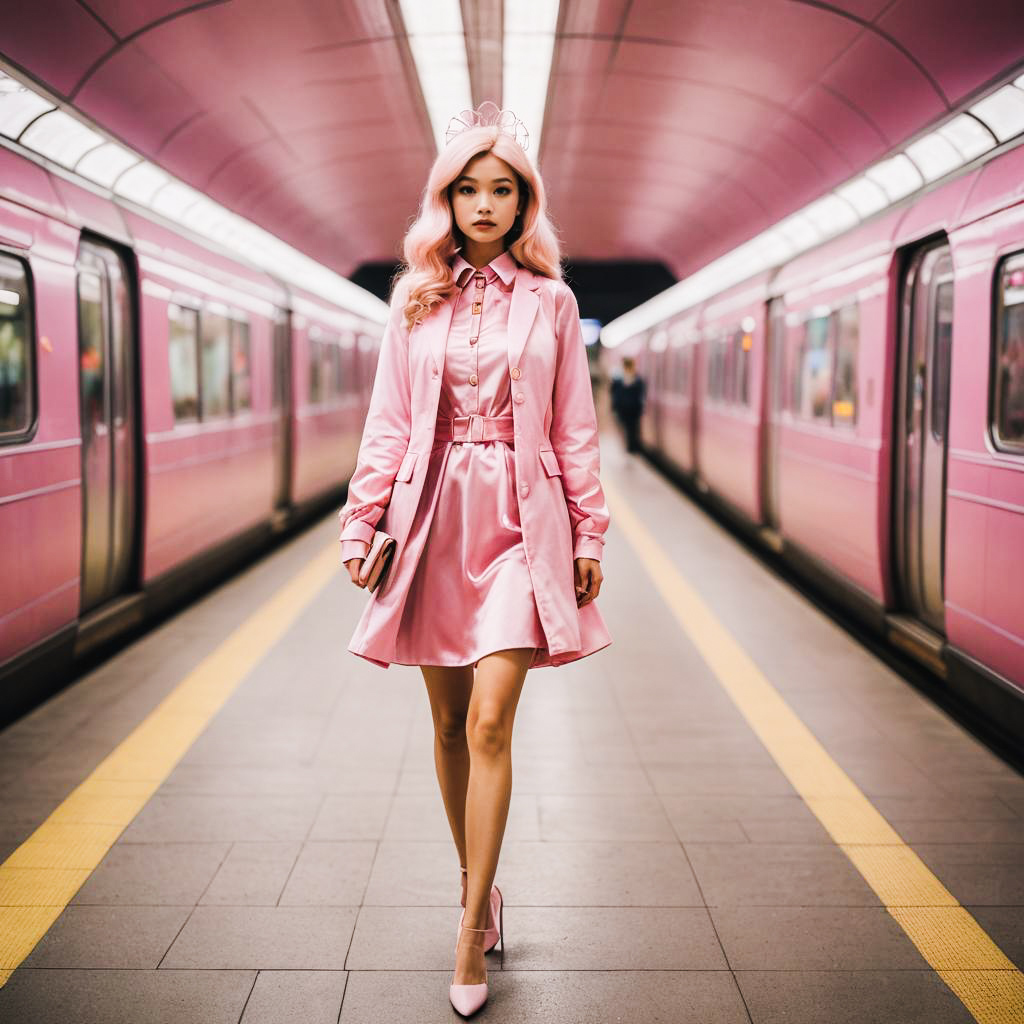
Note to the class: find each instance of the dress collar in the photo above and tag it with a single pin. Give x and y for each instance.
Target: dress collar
(503, 265)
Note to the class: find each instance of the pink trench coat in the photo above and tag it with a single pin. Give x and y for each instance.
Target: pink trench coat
(561, 502)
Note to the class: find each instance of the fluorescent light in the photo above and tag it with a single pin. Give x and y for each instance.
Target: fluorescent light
(106, 163)
(438, 43)
(897, 176)
(141, 182)
(831, 214)
(1002, 111)
(528, 45)
(799, 231)
(174, 199)
(18, 106)
(934, 155)
(9, 298)
(864, 195)
(967, 135)
(60, 137)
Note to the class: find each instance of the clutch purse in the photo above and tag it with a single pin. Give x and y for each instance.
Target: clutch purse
(377, 563)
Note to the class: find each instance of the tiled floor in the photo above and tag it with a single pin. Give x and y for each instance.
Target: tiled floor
(657, 865)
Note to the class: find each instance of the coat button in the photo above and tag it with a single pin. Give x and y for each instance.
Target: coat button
(524, 489)
(519, 397)
(515, 373)
(473, 379)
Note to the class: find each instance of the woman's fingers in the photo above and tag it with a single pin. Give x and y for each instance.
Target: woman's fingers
(588, 580)
(354, 565)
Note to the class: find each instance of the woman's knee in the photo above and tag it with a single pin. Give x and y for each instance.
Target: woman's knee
(488, 732)
(450, 728)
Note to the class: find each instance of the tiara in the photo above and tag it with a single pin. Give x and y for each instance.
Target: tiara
(487, 114)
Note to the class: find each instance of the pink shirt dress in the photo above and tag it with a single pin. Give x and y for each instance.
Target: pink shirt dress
(471, 592)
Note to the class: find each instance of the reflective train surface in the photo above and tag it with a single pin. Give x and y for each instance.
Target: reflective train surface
(164, 408)
(860, 409)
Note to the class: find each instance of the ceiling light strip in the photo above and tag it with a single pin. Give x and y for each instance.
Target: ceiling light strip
(66, 139)
(527, 47)
(989, 122)
(437, 40)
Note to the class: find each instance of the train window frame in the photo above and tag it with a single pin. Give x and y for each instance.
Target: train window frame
(194, 308)
(1008, 446)
(26, 294)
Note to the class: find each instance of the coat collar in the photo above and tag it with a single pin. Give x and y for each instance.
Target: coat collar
(521, 314)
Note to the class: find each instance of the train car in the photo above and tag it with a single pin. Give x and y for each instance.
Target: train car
(874, 435)
(165, 410)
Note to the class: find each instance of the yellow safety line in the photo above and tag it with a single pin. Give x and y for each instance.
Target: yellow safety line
(40, 877)
(948, 937)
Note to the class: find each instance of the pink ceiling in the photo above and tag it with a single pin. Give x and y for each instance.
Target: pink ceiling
(675, 129)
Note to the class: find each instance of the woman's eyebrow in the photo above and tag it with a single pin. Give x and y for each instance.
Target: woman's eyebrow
(466, 177)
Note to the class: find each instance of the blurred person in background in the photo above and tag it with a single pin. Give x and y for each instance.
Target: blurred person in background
(628, 392)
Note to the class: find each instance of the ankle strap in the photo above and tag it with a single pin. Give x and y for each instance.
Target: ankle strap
(466, 928)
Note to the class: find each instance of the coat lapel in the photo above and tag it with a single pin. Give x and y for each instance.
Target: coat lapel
(521, 313)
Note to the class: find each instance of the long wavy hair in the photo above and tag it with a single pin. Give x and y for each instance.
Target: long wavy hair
(425, 275)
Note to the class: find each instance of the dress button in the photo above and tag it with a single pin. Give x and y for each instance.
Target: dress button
(472, 379)
(473, 341)
(524, 489)
(519, 397)
(515, 373)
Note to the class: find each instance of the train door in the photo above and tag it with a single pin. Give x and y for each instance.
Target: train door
(775, 351)
(107, 383)
(922, 416)
(281, 401)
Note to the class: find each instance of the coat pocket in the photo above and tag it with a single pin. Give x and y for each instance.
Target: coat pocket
(405, 470)
(550, 462)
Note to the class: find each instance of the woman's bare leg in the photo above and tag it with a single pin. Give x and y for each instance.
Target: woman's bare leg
(492, 709)
(449, 691)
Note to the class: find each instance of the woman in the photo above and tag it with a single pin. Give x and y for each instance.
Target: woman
(480, 452)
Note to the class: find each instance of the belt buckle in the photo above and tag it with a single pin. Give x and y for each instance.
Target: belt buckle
(476, 427)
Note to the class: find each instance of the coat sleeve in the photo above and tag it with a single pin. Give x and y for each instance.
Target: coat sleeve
(574, 431)
(385, 438)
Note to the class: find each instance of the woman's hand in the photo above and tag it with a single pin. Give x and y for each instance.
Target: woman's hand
(588, 580)
(354, 565)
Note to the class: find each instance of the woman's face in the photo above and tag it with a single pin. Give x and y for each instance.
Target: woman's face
(486, 191)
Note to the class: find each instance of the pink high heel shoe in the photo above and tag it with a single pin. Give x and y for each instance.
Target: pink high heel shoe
(468, 999)
(494, 911)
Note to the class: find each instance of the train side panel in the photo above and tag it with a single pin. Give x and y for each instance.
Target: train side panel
(40, 468)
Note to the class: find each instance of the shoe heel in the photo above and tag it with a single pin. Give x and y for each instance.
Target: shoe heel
(501, 931)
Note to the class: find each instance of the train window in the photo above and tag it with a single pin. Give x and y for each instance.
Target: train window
(812, 382)
(943, 341)
(17, 400)
(742, 343)
(846, 329)
(337, 380)
(183, 353)
(91, 350)
(241, 366)
(215, 363)
(316, 363)
(1008, 363)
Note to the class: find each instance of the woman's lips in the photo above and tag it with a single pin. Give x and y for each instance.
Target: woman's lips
(483, 224)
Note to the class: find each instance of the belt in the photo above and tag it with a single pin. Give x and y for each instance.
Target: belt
(475, 427)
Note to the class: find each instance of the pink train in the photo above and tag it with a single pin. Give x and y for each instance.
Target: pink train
(165, 409)
(861, 410)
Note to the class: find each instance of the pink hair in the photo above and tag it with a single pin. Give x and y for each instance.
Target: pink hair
(431, 241)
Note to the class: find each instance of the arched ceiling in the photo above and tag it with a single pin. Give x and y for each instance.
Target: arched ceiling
(674, 130)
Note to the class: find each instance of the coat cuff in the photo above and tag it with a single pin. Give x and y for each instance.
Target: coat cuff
(354, 549)
(588, 547)
(358, 529)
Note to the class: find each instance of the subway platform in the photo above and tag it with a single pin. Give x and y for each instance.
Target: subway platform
(733, 814)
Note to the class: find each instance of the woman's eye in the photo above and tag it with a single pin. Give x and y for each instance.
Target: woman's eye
(466, 189)
(504, 188)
